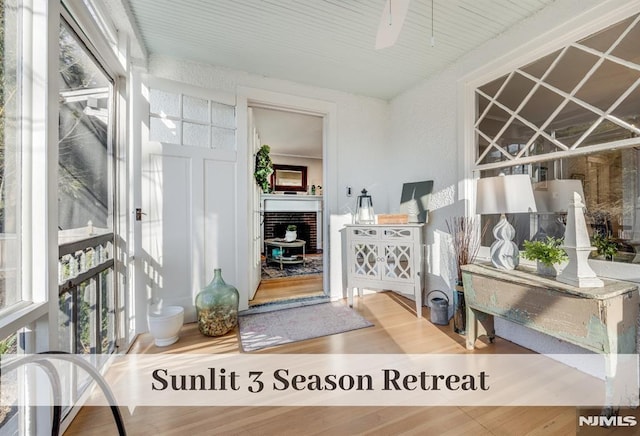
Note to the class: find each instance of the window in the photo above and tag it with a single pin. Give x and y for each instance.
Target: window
(578, 97)
(85, 201)
(572, 114)
(191, 121)
(10, 189)
(9, 395)
(85, 195)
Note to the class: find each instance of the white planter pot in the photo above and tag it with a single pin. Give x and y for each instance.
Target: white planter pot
(290, 236)
(546, 270)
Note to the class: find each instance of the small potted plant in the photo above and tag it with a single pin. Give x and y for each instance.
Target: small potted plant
(605, 246)
(291, 234)
(547, 253)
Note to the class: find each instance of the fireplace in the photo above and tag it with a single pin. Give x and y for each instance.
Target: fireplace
(275, 225)
(305, 211)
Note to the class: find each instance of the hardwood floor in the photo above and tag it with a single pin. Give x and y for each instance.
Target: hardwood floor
(288, 288)
(396, 330)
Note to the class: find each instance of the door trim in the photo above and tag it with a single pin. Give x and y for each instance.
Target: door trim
(247, 96)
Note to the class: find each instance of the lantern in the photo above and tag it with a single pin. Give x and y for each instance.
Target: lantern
(364, 209)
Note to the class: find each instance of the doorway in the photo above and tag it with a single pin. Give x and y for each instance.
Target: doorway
(291, 261)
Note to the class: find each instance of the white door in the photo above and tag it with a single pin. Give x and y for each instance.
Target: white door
(190, 201)
(255, 271)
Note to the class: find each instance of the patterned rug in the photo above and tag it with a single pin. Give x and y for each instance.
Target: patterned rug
(262, 330)
(313, 265)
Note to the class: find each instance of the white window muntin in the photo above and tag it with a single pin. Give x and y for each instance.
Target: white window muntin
(179, 118)
(562, 149)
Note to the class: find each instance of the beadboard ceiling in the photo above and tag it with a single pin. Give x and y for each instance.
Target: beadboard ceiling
(325, 43)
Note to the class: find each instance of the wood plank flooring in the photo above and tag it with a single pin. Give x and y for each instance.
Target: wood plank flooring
(396, 330)
(288, 288)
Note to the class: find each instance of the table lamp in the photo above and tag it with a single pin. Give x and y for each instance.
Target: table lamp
(501, 195)
(554, 196)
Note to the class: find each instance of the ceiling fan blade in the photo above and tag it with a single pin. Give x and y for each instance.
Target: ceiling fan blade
(391, 22)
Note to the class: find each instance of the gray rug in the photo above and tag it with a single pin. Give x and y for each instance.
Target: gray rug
(313, 265)
(279, 327)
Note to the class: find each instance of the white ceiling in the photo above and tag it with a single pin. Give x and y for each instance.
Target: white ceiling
(289, 134)
(325, 43)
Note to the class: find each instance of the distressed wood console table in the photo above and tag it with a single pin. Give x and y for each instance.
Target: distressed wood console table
(598, 319)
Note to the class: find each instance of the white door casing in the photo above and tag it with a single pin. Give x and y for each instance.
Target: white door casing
(332, 278)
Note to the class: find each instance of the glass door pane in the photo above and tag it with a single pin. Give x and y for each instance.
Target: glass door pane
(85, 199)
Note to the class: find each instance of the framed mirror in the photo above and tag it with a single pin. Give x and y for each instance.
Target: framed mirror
(289, 178)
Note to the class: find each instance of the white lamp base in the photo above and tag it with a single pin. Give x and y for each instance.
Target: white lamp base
(504, 252)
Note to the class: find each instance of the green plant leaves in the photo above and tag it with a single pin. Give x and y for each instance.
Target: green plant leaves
(263, 169)
(547, 251)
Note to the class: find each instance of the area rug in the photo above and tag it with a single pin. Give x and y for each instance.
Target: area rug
(286, 304)
(313, 265)
(262, 330)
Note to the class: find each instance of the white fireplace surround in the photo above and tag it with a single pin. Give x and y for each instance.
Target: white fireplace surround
(295, 203)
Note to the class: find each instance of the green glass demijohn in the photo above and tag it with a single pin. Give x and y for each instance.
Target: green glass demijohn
(217, 307)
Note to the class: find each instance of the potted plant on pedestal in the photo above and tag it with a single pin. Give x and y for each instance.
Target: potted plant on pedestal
(465, 239)
(547, 253)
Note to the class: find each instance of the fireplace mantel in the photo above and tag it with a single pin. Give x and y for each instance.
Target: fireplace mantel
(292, 203)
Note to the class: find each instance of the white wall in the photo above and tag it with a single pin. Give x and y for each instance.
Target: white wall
(362, 127)
(428, 137)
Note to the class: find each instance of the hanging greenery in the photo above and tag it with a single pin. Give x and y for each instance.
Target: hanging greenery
(264, 168)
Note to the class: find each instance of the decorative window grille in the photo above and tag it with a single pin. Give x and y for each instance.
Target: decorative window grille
(579, 99)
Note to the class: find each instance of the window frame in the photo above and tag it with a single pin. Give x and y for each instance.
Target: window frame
(33, 210)
(37, 316)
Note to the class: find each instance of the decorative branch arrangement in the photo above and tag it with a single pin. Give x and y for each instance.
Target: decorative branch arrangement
(466, 240)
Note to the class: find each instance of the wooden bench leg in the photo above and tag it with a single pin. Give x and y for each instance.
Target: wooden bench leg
(472, 328)
(478, 324)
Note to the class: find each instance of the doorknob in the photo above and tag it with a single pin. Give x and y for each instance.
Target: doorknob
(139, 214)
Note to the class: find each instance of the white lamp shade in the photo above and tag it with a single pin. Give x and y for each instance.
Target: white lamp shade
(554, 196)
(505, 194)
